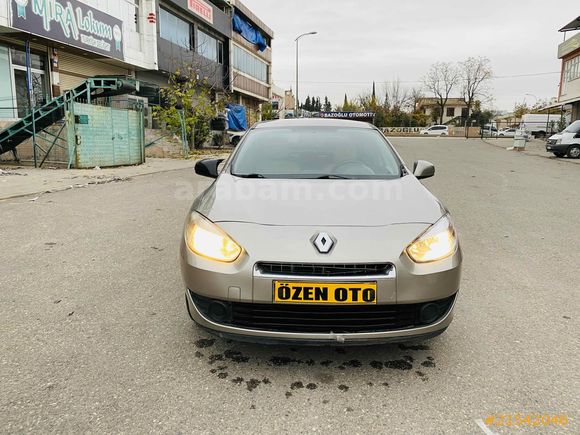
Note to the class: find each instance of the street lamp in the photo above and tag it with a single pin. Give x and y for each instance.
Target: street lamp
(532, 95)
(296, 40)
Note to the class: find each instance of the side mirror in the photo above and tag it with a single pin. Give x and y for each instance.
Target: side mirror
(423, 169)
(208, 167)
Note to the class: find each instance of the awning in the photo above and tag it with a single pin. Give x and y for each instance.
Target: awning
(558, 105)
(572, 25)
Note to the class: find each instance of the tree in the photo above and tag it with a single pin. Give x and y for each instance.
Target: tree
(475, 74)
(397, 98)
(188, 95)
(440, 81)
(327, 106)
(307, 104)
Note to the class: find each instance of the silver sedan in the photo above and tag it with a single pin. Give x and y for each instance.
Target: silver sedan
(315, 231)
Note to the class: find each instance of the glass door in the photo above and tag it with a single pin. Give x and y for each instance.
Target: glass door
(38, 97)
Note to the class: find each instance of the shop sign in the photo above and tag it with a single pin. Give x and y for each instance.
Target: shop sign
(70, 22)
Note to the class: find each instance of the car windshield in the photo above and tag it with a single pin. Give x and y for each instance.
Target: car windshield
(573, 128)
(316, 152)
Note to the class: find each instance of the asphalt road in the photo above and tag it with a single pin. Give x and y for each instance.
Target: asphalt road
(94, 336)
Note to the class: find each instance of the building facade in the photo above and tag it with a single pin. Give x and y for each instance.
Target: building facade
(569, 53)
(455, 109)
(251, 57)
(66, 42)
(192, 35)
(61, 43)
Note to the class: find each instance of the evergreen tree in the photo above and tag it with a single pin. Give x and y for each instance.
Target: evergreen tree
(345, 104)
(327, 105)
(307, 104)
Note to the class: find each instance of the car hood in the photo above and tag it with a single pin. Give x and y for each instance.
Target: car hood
(319, 202)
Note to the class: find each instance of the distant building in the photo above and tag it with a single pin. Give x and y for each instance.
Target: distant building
(455, 109)
(569, 52)
(251, 54)
(282, 100)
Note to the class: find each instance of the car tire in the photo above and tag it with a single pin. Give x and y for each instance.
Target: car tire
(443, 134)
(574, 152)
(560, 154)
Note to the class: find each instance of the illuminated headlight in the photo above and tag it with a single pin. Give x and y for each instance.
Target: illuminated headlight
(437, 243)
(206, 239)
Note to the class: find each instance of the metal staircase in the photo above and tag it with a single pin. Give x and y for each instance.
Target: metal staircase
(44, 116)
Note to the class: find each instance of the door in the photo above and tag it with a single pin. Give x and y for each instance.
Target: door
(38, 90)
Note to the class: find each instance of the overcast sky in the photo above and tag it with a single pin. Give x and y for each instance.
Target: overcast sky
(382, 40)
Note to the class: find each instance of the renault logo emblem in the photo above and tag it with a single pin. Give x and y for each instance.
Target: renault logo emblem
(323, 242)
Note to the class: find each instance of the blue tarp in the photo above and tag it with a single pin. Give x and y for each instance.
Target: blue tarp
(237, 117)
(248, 32)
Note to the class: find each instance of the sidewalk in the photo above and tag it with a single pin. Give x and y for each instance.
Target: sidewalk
(534, 147)
(18, 181)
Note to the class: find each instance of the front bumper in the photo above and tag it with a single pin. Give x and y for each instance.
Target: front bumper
(199, 313)
(556, 148)
(243, 282)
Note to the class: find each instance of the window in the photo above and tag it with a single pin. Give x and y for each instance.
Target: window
(572, 69)
(249, 64)
(134, 6)
(451, 112)
(174, 29)
(209, 47)
(312, 152)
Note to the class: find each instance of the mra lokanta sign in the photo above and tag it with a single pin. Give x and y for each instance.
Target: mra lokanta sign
(70, 22)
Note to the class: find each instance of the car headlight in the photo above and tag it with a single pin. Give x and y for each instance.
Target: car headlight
(439, 241)
(206, 239)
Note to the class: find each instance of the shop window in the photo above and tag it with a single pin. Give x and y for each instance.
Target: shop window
(174, 29)
(6, 97)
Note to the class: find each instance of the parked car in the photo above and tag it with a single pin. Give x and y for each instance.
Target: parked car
(235, 137)
(436, 130)
(507, 132)
(489, 130)
(261, 263)
(566, 143)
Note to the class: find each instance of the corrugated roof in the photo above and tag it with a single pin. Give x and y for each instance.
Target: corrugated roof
(572, 25)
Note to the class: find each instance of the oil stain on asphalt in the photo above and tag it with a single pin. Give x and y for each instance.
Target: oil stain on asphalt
(324, 372)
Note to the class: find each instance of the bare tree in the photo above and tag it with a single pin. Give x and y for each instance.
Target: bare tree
(415, 94)
(397, 97)
(476, 74)
(441, 79)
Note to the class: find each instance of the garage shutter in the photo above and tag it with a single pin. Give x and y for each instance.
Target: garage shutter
(75, 69)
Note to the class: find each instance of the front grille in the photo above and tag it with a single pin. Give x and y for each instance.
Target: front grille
(319, 318)
(311, 269)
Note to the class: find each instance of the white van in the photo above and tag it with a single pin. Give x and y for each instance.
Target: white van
(566, 143)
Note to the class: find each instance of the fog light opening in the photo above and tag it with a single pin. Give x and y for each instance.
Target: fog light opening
(218, 311)
(429, 313)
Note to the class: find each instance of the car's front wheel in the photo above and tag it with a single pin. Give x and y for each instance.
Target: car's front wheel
(574, 152)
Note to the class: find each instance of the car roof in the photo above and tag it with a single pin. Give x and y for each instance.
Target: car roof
(312, 122)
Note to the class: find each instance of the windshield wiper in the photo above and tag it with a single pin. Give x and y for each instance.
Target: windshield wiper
(249, 175)
(333, 177)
